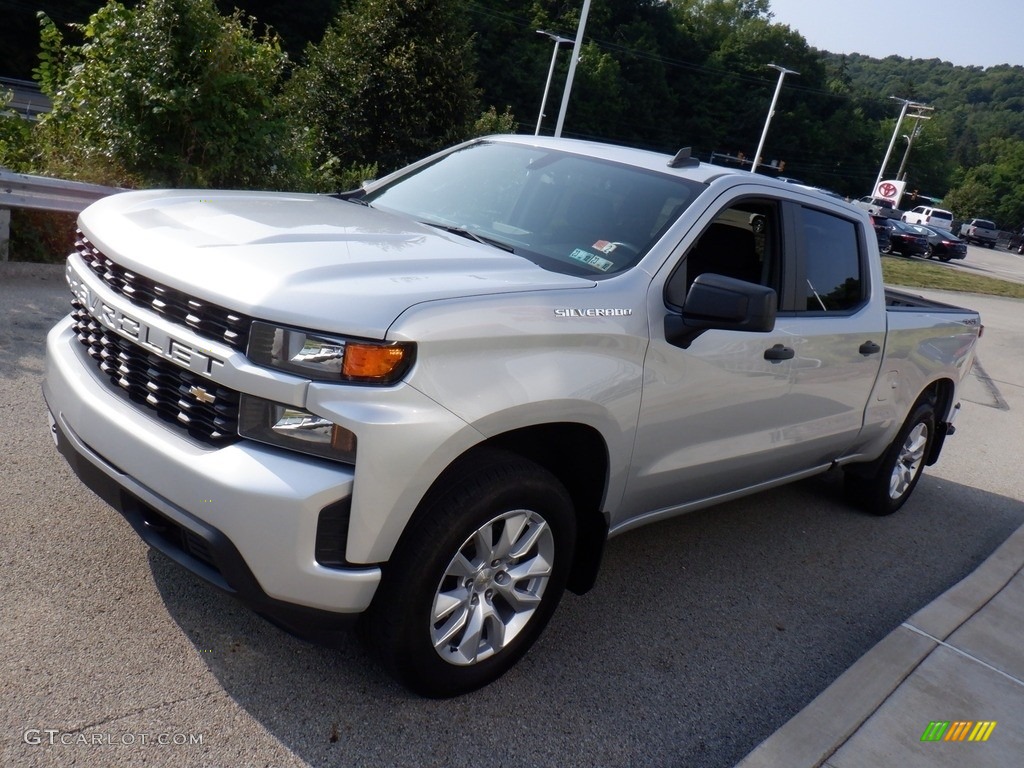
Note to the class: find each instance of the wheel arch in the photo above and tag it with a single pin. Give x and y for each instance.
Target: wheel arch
(941, 393)
(577, 455)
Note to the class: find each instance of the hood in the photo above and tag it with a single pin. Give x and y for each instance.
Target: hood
(307, 260)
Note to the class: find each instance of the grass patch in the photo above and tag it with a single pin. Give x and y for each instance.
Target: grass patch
(915, 273)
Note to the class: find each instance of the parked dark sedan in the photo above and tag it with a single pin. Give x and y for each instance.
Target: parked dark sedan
(904, 240)
(881, 231)
(942, 244)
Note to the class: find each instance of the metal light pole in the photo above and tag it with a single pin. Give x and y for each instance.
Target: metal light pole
(771, 111)
(551, 71)
(572, 67)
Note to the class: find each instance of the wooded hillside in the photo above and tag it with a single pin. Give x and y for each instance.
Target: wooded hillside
(656, 74)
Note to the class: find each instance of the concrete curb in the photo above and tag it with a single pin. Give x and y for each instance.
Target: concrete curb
(823, 726)
(950, 611)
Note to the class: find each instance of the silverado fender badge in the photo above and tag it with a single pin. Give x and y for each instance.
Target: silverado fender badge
(591, 312)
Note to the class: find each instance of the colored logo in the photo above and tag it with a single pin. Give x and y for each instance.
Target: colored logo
(887, 189)
(958, 730)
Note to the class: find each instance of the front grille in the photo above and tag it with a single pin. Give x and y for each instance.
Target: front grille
(206, 319)
(205, 409)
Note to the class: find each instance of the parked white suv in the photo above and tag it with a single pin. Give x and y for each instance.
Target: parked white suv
(936, 217)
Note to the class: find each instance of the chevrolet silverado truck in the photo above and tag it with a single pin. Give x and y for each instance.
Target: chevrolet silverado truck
(428, 403)
(980, 232)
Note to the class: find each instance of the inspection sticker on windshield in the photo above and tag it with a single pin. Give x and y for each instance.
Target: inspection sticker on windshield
(604, 246)
(581, 254)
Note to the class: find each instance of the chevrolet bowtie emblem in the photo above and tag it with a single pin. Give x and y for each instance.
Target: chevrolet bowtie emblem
(201, 395)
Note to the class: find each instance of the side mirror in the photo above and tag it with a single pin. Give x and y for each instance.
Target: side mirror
(722, 303)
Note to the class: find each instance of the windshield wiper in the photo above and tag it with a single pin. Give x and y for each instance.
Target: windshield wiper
(463, 232)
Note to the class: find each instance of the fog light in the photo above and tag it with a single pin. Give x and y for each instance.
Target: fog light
(294, 428)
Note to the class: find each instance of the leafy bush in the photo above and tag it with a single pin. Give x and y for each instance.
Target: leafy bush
(490, 122)
(170, 93)
(15, 137)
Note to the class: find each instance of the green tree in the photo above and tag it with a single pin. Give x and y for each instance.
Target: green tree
(169, 93)
(968, 198)
(391, 81)
(993, 189)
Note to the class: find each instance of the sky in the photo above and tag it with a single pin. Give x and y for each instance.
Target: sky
(975, 33)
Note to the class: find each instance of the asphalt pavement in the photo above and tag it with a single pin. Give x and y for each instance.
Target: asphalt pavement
(704, 636)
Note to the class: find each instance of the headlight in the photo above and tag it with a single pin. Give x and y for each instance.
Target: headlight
(289, 427)
(329, 358)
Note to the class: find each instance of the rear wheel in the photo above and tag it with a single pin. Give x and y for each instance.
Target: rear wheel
(887, 489)
(476, 577)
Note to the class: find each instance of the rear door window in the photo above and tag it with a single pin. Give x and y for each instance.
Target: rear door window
(832, 278)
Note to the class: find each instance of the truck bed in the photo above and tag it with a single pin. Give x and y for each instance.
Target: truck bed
(898, 300)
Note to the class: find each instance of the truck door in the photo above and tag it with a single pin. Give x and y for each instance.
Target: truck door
(836, 327)
(713, 415)
(735, 410)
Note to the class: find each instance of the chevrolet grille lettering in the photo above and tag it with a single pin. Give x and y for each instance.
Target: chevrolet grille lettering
(153, 339)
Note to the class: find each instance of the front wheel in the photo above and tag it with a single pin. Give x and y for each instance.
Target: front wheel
(475, 578)
(890, 485)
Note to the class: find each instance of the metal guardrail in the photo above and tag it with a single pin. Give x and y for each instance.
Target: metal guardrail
(41, 193)
(26, 98)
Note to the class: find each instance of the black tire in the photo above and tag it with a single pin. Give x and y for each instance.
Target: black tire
(888, 487)
(441, 581)
(945, 257)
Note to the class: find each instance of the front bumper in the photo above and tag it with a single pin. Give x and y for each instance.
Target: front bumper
(243, 517)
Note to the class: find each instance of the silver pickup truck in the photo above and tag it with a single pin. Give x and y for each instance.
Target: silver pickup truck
(431, 401)
(980, 232)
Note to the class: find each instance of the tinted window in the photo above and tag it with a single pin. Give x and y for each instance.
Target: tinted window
(832, 268)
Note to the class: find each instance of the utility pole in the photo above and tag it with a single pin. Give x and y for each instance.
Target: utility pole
(907, 104)
(771, 111)
(572, 67)
(558, 40)
(910, 143)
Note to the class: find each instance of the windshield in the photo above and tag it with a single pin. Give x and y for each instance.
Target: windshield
(567, 213)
